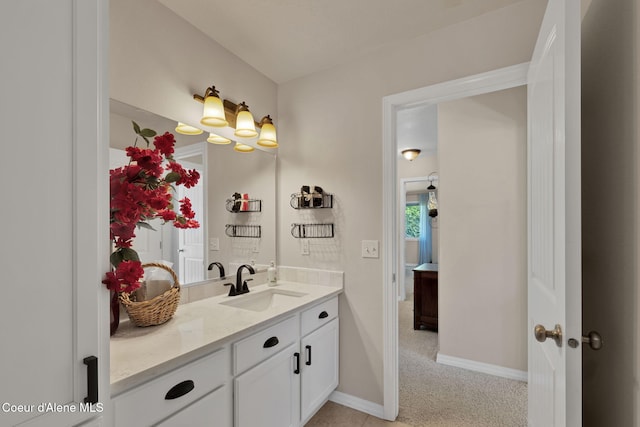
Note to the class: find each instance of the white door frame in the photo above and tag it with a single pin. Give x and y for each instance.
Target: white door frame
(492, 81)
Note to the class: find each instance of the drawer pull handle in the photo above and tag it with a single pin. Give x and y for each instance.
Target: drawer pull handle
(297, 356)
(180, 390)
(323, 315)
(308, 350)
(271, 342)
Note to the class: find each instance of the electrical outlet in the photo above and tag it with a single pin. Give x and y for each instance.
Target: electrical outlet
(255, 247)
(305, 247)
(214, 244)
(370, 249)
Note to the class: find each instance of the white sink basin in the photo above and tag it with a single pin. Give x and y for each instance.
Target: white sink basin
(263, 300)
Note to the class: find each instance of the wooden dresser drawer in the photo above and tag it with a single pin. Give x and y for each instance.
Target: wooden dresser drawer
(261, 345)
(318, 315)
(157, 399)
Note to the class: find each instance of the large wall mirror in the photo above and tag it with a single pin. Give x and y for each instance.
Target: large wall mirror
(232, 232)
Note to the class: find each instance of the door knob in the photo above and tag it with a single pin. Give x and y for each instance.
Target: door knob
(542, 334)
(592, 338)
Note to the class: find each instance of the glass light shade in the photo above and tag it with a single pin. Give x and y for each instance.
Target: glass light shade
(213, 112)
(268, 136)
(243, 148)
(187, 130)
(411, 153)
(245, 126)
(217, 139)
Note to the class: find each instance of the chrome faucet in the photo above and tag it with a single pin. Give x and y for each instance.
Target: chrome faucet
(220, 268)
(242, 287)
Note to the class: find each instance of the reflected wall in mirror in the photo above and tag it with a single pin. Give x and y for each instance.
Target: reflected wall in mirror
(224, 172)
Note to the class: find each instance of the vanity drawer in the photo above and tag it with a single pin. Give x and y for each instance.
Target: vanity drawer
(318, 315)
(261, 345)
(165, 395)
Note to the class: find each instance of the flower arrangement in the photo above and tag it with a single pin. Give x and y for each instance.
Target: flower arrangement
(141, 191)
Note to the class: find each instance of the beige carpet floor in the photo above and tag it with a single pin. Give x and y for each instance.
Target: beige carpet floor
(436, 395)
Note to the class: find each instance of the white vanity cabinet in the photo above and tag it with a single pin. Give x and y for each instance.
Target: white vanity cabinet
(319, 356)
(287, 371)
(197, 394)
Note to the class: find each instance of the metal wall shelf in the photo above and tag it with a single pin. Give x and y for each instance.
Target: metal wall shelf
(312, 231)
(233, 230)
(244, 205)
(311, 201)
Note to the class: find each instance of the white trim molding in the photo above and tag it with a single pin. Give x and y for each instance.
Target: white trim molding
(485, 368)
(492, 81)
(358, 404)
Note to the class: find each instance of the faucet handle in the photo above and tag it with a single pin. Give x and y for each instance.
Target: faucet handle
(232, 289)
(245, 287)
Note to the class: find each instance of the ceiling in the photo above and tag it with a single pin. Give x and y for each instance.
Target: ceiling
(288, 39)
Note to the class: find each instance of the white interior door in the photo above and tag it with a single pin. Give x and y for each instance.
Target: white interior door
(554, 243)
(191, 240)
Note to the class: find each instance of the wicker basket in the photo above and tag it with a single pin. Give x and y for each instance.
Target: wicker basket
(157, 310)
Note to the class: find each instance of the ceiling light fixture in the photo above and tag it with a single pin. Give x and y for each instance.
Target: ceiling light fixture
(220, 113)
(185, 129)
(410, 153)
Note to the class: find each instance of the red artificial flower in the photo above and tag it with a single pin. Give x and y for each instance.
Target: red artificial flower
(126, 278)
(187, 178)
(164, 143)
(167, 215)
(185, 208)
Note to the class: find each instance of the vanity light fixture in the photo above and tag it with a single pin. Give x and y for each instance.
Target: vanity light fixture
(267, 133)
(213, 112)
(243, 148)
(245, 126)
(185, 129)
(410, 153)
(222, 113)
(217, 139)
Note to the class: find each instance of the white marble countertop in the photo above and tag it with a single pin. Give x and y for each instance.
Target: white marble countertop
(197, 328)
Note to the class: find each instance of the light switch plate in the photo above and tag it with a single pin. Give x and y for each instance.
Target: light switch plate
(370, 249)
(214, 244)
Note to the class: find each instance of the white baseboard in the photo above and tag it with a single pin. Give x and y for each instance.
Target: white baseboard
(485, 368)
(358, 404)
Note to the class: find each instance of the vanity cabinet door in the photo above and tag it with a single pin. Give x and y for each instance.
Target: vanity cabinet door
(269, 394)
(214, 409)
(319, 367)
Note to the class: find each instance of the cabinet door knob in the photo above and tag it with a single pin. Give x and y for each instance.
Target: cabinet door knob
(180, 390)
(323, 315)
(271, 342)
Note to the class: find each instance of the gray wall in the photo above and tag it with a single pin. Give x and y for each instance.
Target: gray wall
(610, 214)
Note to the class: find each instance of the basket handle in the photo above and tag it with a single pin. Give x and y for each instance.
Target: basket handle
(174, 276)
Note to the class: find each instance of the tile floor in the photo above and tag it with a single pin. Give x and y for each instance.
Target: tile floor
(334, 415)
